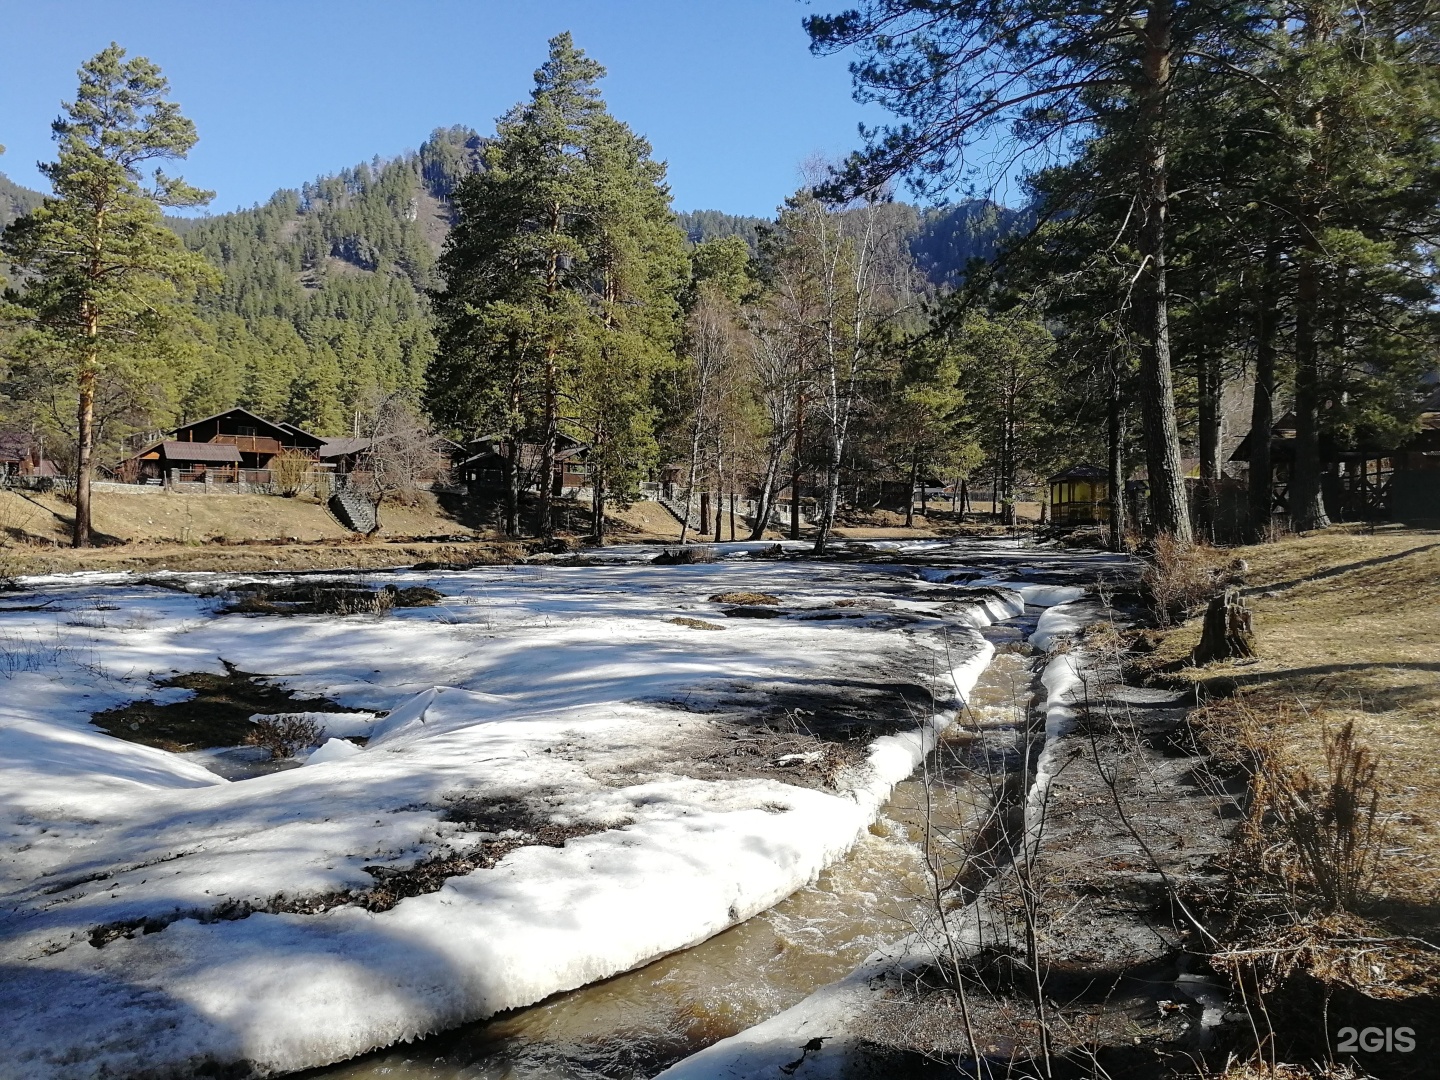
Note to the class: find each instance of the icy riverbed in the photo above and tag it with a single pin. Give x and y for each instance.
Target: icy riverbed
(158, 916)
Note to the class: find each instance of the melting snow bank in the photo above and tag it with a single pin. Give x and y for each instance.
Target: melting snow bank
(158, 920)
(821, 1032)
(288, 991)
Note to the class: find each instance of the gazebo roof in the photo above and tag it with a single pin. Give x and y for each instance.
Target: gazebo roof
(1083, 471)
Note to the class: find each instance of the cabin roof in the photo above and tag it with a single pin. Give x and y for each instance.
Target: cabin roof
(296, 429)
(332, 448)
(180, 450)
(278, 428)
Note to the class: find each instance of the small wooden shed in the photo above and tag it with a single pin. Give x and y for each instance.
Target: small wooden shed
(1080, 495)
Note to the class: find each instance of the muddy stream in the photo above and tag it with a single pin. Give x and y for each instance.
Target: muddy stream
(637, 1024)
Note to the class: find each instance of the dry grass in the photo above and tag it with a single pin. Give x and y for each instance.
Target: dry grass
(743, 597)
(1180, 579)
(685, 556)
(1348, 632)
(160, 517)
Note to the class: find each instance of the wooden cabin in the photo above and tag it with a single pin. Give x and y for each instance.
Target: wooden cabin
(1080, 495)
(489, 457)
(23, 455)
(232, 445)
(1366, 482)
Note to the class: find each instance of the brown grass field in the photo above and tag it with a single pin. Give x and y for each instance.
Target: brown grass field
(1348, 628)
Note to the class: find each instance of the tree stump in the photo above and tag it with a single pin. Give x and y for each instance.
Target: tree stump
(1227, 632)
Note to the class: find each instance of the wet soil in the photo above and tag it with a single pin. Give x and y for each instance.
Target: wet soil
(327, 598)
(502, 826)
(217, 715)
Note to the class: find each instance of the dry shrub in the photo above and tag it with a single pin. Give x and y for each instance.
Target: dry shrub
(1331, 824)
(1264, 1070)
(283, 736)
(685, 556)
(1309, 855)
(1321, 836)
(290, 472)
(744, 597)
(1179, 578)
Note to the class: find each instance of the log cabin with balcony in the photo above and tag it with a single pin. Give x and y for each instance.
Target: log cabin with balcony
(1366, 481)
(485, 469)
(232, 446)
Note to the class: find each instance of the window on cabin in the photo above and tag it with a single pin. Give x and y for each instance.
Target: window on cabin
(247, 429)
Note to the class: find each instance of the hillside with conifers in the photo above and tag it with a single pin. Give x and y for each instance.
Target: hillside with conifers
(322, 301)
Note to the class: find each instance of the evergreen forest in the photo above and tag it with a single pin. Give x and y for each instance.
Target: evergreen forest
(1264, 253)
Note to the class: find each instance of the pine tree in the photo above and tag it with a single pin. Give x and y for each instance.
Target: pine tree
(561, 279)
(107, 273)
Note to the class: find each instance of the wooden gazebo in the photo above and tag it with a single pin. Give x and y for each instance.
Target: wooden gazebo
(1080, 495)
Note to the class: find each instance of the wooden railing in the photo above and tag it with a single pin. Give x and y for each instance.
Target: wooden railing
(253, 444)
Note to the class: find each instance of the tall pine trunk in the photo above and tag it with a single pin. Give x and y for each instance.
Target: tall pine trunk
(1207, 378)
(1167, 503)
(1211, 389)
(85, 431)
(1307, 505)
(547, 446)
(1262, 406)
(910, 503)
(512, 486)
(1115, 439)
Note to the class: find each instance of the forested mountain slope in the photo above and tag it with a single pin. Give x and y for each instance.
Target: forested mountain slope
(943, 239)
(15, 200)
(322, 301)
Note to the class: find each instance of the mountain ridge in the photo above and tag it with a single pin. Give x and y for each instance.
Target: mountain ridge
(323, 300)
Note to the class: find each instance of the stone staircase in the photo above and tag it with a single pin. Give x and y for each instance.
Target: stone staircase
(677, 510)
(353, 510)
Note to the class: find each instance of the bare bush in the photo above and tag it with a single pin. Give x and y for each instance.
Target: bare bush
(284, 736)
(290, 472)
(403, 454)
(1179, 578)
(685, 556)
(1333, 833)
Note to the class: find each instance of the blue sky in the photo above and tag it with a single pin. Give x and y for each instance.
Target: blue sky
(726, 90)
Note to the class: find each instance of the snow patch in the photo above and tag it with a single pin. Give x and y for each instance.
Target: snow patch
(333, 750)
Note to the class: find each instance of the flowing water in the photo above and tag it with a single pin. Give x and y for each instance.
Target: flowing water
(636, 1024)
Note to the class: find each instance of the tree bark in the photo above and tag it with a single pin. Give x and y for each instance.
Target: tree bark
(512, 487)
(1115, 438)
(1307, 505)
(910, 503)
(1167, 503)
(1210, 386)
(1207, 378)
(1227, 632)
(85, 431)
(597, 504)
(547, 448)
(795, 468)
(767, 494)
(1262, 407)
